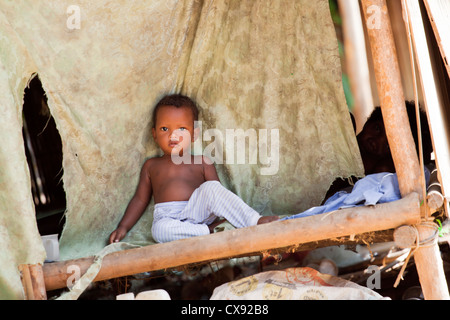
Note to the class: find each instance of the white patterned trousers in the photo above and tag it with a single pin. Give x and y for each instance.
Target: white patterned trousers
(183, 219)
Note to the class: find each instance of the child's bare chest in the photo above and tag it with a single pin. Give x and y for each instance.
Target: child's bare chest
(176, 182)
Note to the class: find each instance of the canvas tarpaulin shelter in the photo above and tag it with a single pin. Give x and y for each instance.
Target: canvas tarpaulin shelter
(248, 64)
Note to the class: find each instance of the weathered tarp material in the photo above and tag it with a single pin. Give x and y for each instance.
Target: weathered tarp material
(250, 65)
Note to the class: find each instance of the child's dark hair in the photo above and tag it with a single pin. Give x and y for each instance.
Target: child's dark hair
(427, 144)
(178, 101)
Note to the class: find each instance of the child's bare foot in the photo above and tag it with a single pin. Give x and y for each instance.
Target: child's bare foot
(267, 219)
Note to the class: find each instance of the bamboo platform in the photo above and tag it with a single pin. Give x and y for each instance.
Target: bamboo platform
(246, 241)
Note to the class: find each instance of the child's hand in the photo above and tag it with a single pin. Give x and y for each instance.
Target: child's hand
(117, 234)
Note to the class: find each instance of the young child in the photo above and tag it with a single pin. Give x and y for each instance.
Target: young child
(188, 196)
(374, 148)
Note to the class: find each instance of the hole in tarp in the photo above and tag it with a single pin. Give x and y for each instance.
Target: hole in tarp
(43, 150)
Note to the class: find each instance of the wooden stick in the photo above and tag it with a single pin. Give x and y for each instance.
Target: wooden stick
(405, 237)
(438, 11)
(26, 281)
(399, 135)
(32, 277)
(432, 80)
(366, 238)
(430, 267)
(356, 60)
(37, 281)
(428, 258)
(392, 100)
(237, 242)
(435, 198)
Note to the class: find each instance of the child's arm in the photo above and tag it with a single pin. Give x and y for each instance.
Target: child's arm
(209, 170)
(136, 207)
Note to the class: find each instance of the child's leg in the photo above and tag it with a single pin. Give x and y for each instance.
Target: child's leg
(180, 220)
(168, 229)
(211, 198)
(172, 222)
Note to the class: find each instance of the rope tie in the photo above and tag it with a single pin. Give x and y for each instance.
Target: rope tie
(428, 242)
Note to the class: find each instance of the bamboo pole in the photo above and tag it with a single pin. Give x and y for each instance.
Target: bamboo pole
(401, 142)
(32, 277)
(438, 11)
(432, 79)
(356, 60)
(428, 258)
(37, 280)
(25, 277)
(392, 100)
(239, 242)
(435, 198)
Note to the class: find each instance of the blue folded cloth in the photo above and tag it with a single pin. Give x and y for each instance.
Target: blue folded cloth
(370, 190)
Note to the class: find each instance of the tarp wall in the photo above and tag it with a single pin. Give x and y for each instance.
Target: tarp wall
(249, 65)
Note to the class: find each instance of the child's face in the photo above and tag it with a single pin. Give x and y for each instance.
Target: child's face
(174, 129)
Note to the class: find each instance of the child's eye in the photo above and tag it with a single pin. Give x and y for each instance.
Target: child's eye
(183, 128)
(164, 128)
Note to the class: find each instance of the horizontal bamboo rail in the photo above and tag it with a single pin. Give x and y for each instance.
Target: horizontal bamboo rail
(243, 241)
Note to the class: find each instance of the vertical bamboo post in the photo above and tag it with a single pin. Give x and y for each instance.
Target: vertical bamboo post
(392, 102)
(428, 258)
(390, 91)
(26, 281)
(356, 60)
(33, 282)
(38, 282)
